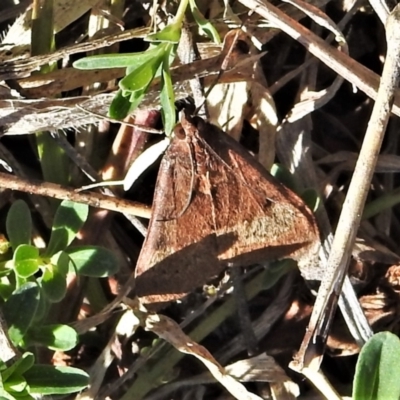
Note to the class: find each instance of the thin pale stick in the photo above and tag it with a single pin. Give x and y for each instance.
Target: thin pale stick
(381, 9)
(353, 206)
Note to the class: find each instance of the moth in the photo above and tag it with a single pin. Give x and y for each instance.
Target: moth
(214, 207)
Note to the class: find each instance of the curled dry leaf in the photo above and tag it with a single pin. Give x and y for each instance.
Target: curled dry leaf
(170, 331)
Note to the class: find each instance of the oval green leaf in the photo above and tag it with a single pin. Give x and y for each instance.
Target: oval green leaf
(19, 367)
(55, 337)
(378, 370)
(46, 380)
(26, 260)
(104, 61)
(42, 308)
(93, 261)
(283, 175)
(54, 284)
(16, 385)
(140, 78)
(19, 224)
(69, 219)
(20, 309)
(311, 198)
(61, 259)
(120, 106)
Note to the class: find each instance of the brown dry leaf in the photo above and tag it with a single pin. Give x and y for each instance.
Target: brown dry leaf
(226, 105)
(169, 330)
(231, 104)
(262, 368)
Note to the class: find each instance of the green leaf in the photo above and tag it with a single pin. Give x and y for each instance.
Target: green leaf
(16, 396)
(6, 396)
(20, 366)
(105, 61)
(311, 198)
(19, 310)
(69, 219)
(207, 27)
(16, 385)
(93, 261)
(127, 60)
(46, 380)
(140, 78)
(42, 308)
(378, 370)
(19, 224)
(54, 284)
(284, 176)
(143, 69)
(136, 98)
(154, 50)
(167, 97)
(3, 367)
(54, 337)
(381, 203)
(170, 34)
(26, 260)
(6, 287)
(120, 106)
(61, 259)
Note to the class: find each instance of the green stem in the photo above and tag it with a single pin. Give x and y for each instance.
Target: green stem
(180, 14)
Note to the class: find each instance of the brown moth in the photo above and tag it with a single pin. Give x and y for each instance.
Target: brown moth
(215, 206)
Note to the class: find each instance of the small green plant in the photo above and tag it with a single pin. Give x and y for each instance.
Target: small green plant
(377, 374)
(23, 379)
(143, 67)
(31, 280)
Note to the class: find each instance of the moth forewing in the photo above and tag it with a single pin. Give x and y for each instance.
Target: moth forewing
(238, 214)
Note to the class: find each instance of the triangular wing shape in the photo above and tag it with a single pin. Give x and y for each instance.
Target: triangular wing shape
(215, 206)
